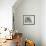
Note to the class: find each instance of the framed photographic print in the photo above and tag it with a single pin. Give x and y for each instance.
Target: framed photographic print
(28, 19)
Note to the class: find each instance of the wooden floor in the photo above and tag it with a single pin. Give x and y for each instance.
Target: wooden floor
(9, 43)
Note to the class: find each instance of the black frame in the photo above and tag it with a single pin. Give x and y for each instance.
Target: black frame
(29, 16)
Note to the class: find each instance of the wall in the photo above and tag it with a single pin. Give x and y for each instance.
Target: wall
(28, 7)
(43, 22)
(6, 13)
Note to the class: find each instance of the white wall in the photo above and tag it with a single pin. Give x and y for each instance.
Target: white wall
(6, 13)
(29, 7)
(36, 32)
(43, 22)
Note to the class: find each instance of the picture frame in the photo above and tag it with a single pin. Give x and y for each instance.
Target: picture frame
(29, 19)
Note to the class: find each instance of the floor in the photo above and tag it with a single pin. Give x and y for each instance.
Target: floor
(9, 43)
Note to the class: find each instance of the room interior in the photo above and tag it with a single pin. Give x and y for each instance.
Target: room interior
(22, 23)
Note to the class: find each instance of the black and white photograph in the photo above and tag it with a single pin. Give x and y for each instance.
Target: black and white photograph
(29, 19)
